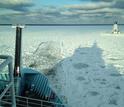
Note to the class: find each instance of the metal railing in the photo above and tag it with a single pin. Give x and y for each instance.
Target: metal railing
(31, 102)
(7, 96)
(10, 83)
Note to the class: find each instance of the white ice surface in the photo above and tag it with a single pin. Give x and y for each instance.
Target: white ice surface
(91, 72)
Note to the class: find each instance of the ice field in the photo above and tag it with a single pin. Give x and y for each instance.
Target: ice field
(85, 67)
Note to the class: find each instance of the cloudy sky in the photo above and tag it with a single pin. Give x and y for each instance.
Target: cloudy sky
(61, 11)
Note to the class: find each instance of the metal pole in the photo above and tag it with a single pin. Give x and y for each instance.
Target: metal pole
(18, 51)
(17, 64)
(12, 87)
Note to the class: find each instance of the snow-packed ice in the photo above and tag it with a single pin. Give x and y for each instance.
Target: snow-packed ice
(84, 68)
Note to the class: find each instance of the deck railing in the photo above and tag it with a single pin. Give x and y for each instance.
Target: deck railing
(7, 96)
(9, 83)
(31, 102)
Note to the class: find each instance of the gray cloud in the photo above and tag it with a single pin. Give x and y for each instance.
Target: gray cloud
(116, 3)
(90, 6)
(92, 13)
(98, 12)
(18, 5)
(103, 0)
(119, 4)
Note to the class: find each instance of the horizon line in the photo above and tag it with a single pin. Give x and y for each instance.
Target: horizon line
(55, 24)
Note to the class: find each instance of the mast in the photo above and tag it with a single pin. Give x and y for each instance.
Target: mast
(18, 47)
(17, 64)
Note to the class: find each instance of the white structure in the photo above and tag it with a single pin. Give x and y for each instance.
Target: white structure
(115, 29)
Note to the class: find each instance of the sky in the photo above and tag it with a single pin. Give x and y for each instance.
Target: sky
(61, 11)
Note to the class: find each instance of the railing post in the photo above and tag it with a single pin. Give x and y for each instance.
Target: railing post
(27, 101)
(0, 102)
(12, 80)
(41, 104)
